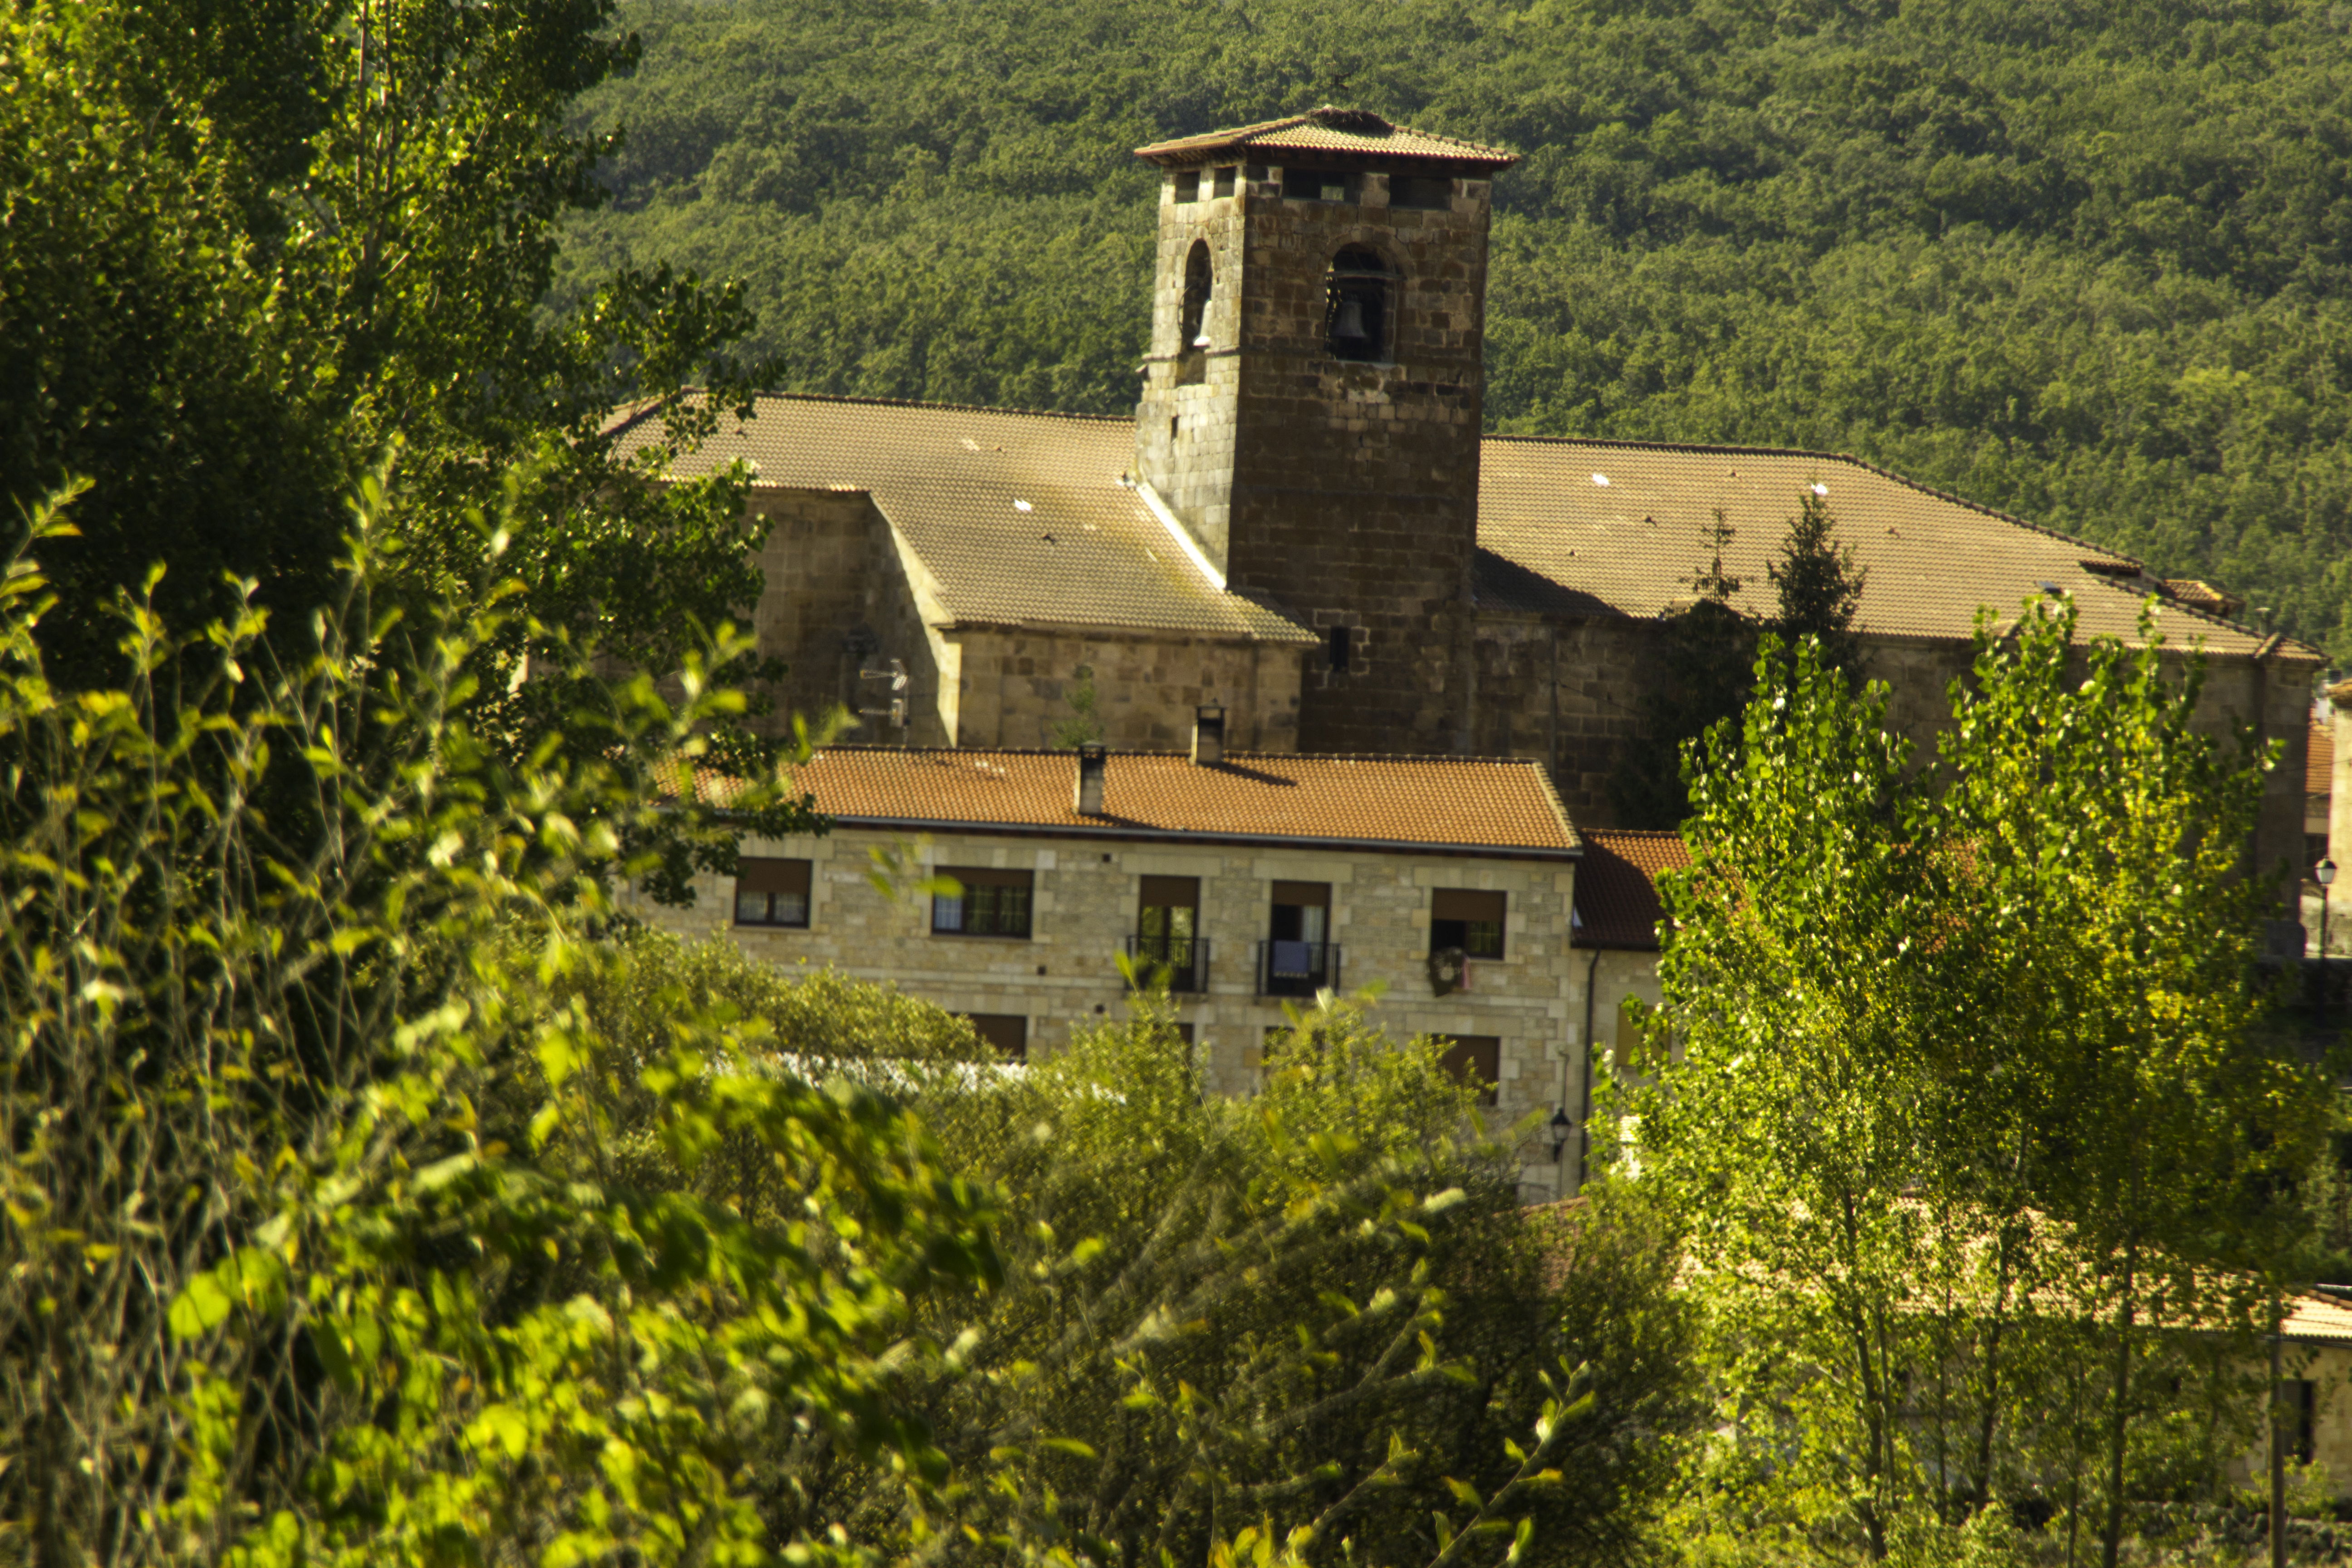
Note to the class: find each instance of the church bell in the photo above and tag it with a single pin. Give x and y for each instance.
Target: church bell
(1350, 324)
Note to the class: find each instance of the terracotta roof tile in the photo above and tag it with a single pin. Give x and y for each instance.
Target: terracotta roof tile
(1328, 129)
(1020, 518)
(2319, 761)
(1451, 803)
(1556, 538)
(1616, 886)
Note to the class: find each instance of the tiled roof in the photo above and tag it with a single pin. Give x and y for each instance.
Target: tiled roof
(2203, 595)
(1087, 552)
(1440, 803)
(2319, 761)
(1555, 538)
(2320, 1316)
(1328, 129)
(1020, 518)
(1616, 886)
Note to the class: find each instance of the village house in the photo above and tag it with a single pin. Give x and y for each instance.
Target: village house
(1247, 882)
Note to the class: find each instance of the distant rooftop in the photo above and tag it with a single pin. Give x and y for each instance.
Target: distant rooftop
(1326, 130)
(1021, 519)
(1489, 807)
(1617, 903)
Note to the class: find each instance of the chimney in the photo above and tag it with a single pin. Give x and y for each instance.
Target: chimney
(1093, 758)
(1208, 734)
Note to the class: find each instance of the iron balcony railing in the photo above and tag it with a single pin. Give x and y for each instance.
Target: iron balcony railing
(1296, 968)
(1183, 959)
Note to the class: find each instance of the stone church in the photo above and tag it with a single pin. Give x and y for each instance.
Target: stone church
(1304, 523)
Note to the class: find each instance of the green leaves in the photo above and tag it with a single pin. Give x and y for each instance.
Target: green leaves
(1968, 1074)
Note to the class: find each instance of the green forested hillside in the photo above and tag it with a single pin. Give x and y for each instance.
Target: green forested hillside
(2085, 261)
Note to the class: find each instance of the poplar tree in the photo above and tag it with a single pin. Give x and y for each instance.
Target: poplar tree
(1967, 1123)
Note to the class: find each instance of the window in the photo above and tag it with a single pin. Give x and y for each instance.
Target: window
(992, 903)
(1005, 1031)
(1355, 305)
(1420, 190)
(1167, 928)
(1184, 1033)
(1298, 958)
(1472, 921)
(1317, 185)
(1343, 649)
(1633, 1050)
(1192, 320)
(1188, 186)
(1475, 1059)
(1224, 181)
(771, 892)
(2299, 1400)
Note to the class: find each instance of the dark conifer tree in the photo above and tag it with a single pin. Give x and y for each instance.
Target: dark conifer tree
(1820, 587)
(1706, 663)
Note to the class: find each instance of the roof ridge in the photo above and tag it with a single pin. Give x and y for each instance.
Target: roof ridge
(1178, 755)
(1128, 419)
(1862, 463)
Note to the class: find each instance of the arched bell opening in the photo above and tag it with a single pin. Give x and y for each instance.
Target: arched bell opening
(1193, 318)
(1360, 305)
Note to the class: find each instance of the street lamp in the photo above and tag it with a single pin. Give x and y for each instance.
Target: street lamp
(2324, 874)
(1560, 1127)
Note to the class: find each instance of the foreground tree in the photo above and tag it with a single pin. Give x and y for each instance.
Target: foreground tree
(370, 1203)
(1967, 1110)
(249, 251)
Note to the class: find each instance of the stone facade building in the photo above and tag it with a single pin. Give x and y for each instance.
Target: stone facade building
(1303, 523)
(1250, 881)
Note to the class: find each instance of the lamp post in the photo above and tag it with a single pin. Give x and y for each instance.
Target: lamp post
(1560, 1127)
(2324, 875)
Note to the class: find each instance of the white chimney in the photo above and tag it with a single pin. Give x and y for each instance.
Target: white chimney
(1093, 762)
(1208, 734)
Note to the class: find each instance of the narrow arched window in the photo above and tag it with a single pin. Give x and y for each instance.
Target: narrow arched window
(1192, 321)
(1359, 305)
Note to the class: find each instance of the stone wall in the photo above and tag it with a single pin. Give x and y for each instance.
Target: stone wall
(2339, 811)
(1064, 975)
(1345, 492)
(1572, 692)
(1016, 685)
(1614, 975)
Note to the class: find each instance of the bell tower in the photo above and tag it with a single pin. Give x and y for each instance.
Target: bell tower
(1311, 401)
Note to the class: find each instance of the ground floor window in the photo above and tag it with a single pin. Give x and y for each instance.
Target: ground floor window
(771, 892)
(1477, 1059)
(1006, 1032)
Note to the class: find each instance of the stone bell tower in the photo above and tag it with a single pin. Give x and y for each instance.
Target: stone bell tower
(1311, 401)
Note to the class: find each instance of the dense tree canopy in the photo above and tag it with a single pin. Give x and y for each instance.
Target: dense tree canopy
(2082, 262)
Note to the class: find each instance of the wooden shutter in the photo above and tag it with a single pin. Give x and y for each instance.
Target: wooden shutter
(1476, 1059)
(1008, 1033)
(987, 877)
(1463, 904)
(758, 874)
(1171, 892)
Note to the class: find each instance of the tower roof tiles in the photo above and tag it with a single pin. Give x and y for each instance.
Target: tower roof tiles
(1327, 129)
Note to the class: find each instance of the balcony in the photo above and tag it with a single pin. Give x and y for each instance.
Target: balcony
(1185, 960)
(1296, 968)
